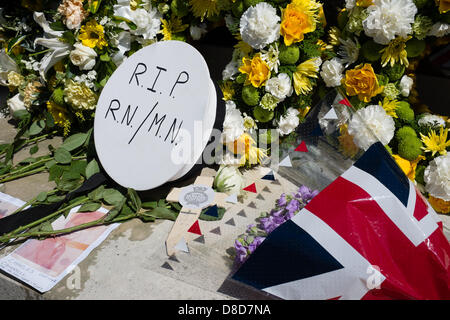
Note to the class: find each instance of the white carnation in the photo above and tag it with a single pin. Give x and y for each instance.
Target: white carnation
(388, 19)
(332, 72)
(406, 84)
(280, 86)
(439, 29)
(259, 25)
(289, 122)
(437, 177)
(233, 125)
(197, 31)
(428, 119)
(83, 56)
(371, 124)
(230, 70)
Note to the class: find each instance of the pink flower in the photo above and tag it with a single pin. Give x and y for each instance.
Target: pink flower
(73, 13)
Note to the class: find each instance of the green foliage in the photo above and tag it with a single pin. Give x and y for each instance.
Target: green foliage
(405, 132)
(394, 73)
(409, 148)
(288, 55)
(415, 47)
(371, 50)
(262, 115)
(250, 95)
(404, 112)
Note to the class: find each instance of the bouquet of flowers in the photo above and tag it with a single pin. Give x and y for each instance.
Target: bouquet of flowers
(269, 83)
(379, 44)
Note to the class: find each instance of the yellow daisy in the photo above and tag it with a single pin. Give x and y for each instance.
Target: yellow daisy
(227, 90)
(92, 35)
(436, 143)
(301, 77)
(205, 8)
(395, 52)
(174, 25)
(389, 106)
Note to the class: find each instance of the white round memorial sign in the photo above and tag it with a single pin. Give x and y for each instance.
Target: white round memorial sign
(147, 110)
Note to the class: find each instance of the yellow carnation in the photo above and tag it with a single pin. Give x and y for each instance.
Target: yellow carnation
(256, 69)
(441, 206)
(79, 96)
(296, 22)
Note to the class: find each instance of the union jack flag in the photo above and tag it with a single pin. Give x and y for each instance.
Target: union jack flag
(368, 235)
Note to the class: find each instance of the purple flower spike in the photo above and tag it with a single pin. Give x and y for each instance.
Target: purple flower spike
(282, 201)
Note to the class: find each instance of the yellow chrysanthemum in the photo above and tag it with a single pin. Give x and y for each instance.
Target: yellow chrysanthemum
(333, 36)
(227, 90)
(389, 106)
(301, 77)
(205, 8)
(245, 145)
(174, 25)
(60, 116)
(297, 19)
(436, 143)
(408, 167)
(395, 52)
(364, 3)
(257, 70)
(92, 35)
(242, 46)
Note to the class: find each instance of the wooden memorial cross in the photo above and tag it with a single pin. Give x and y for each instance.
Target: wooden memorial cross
(188, 216)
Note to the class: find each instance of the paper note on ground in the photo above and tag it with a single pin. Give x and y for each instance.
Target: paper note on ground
(9, 204)
(43, 263)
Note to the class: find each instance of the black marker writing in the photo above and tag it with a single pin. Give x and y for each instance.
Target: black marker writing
(157, 122)
(136, 73)
(148, 115)
(172, 128)
(127, 114)
(180, 81)
(112, 109)
(154, 82)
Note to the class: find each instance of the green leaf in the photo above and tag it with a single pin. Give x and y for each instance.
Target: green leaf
(57, 26)
(68, 185)
(149, 205)
(135, 200)
(115, 211)
(41, 196)
(55, 172)
(36, 127)
(46, 227)
(90, 207)
(97, 194)
(92, 168)
(34, 149)
(20, 114)
(62, 156)
(54, 198)
(205, 217)
(74, 141)
(113, 197)
(68, 37)
(162, 213)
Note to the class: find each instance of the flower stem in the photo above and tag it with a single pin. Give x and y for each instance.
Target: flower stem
(24, 174)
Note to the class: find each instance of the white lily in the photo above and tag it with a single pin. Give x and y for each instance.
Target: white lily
(7, 64)
(58, 49)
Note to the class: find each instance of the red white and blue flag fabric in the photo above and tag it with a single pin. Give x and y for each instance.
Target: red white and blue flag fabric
(368, 235)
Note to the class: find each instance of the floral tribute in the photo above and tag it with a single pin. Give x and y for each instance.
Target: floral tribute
(379, 44)
(270, 80)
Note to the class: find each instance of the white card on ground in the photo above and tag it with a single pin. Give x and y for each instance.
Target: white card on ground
(9, 204)
(43, 263)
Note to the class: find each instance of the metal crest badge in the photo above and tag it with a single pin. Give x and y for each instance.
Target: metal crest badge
(196, 196)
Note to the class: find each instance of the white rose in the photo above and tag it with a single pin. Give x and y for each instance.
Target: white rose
(280, 86)
(83, 56)
(15, 104)
(229, 179)
(289, 122)
(406, 85)
(233, 125)
(332, 72)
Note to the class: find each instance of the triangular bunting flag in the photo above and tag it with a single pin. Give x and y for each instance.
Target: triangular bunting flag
(317, 132)
(302, 147)
(216, 231)
(286, 162)
(276, 182)
(260, 197)
(200, 239)
(167, 266)
(252, 205)
(230, 222)
(250, 188)
(212, 211)
(182, 246)
(266, 189)
(269, 176)
(232, 199)
(331, 115)
(345, 102)
(195, 228)
(242, 214)
(173, 258)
